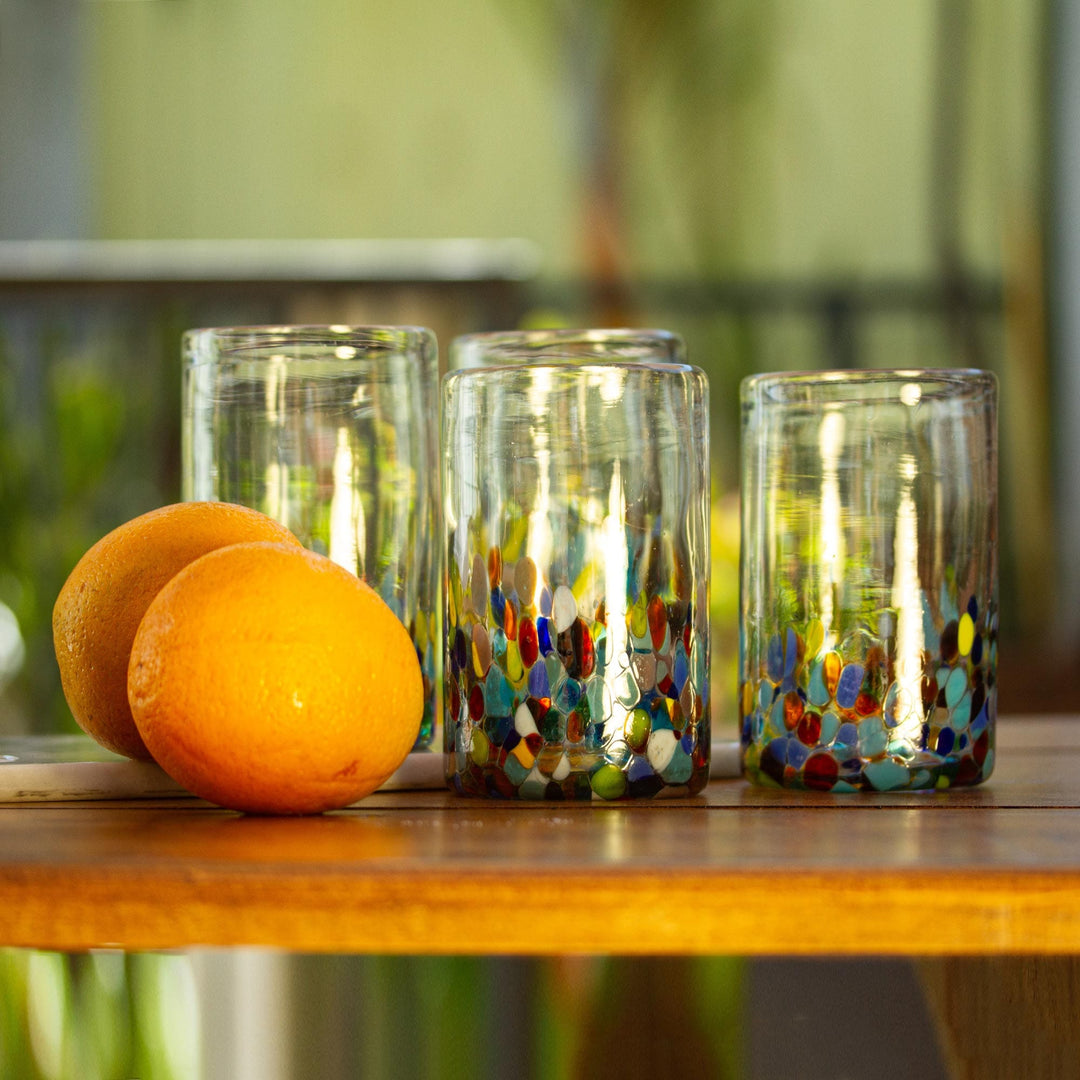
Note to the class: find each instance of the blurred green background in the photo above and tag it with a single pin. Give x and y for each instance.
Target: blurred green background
(786, 184)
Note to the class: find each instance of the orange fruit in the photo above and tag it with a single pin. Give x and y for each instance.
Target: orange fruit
(266, 678)
(104, 598)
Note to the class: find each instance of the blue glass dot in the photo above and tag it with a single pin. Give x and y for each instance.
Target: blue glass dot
(797, 753)
(498, 604)
(977, 650)
(682, 669)
(568, 695)
(791, 652)
(766, 694)
(979, 722)
(545, 601)
(774, 660)
(498, 693)
(945, 740)
(847, 735)
(539, 686)
(847, 689)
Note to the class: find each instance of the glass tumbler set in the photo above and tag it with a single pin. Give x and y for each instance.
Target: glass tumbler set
(553, 567)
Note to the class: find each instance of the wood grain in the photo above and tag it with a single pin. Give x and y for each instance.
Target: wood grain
(1003, 1017)
(738, 870)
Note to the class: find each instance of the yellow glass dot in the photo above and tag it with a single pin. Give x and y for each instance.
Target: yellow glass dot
(478, 749)
(524, 755)
(515, 669)
(747, 699)
(965, 636)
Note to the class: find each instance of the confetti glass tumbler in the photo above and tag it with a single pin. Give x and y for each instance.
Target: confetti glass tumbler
(869, 595)
(576, 516)
(333, 431)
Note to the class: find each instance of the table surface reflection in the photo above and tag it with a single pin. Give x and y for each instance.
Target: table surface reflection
(736, 870)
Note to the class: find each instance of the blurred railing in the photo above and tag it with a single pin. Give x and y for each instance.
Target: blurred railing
(90, 385)
(90, 377)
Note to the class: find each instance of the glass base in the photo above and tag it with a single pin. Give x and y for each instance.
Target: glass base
(548, 776)
(853, 714)
(787, 763)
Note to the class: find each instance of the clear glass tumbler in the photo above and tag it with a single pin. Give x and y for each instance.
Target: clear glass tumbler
(869, 579)
(576, 478)
(333, 431)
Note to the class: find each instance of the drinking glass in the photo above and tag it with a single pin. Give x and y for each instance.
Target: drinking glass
(576, 478)
(869, 579)
(333, 431)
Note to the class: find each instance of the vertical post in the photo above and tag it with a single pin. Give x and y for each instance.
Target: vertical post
(42, 123)
(1064, 233)
(245, 1002)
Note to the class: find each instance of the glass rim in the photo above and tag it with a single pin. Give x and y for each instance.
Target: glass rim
(958, 380)
(596, 367)
(524, 344)
(210, 344)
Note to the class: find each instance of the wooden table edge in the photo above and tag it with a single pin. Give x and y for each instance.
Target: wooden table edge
(627, 911)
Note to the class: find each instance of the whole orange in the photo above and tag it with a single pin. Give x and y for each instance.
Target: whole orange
(104, 598)
(266, 678)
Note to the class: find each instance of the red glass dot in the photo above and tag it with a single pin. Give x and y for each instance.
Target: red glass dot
(502, 784)
(657, 614)
(587, 650)
(528, 645)
(538, 707)
(809, 729)
(476, 702)
(793, 710)
(929, 690)
(967, 772)
(820, 772)
(866, 704)
(575, 727)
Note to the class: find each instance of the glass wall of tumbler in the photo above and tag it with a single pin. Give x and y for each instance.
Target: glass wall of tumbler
(869, 579)
(576, 473)
(333, 431)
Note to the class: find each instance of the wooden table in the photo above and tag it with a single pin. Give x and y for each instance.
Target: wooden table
(993, 870)
(980, 887)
